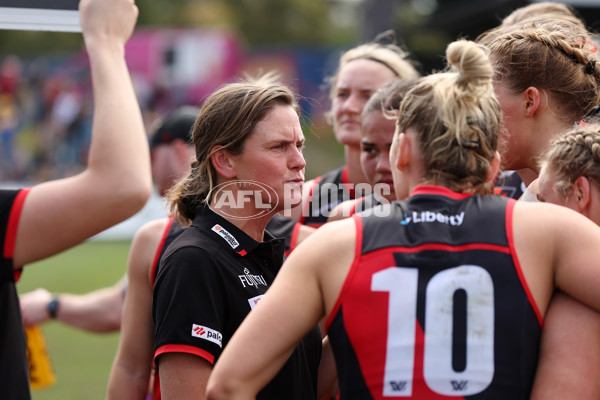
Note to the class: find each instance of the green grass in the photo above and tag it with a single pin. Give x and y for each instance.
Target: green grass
(81, 360)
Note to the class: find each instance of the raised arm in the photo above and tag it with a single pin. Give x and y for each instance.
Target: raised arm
(131, 368)
(117, 182)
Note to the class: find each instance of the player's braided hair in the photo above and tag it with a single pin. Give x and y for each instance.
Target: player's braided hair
(575, 154)
(552, 55)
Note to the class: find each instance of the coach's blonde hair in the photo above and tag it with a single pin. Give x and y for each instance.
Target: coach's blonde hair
(456, 117)
(227, 118)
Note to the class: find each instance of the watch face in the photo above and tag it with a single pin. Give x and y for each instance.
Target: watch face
(53, 307)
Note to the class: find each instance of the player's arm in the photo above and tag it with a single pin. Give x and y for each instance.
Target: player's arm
(183, 376)
(569, 362)
(327, 372)
(96, 311)
(343, 210)
(292, 306)
(557, 247)
(59, 214)
(303, 233)
(131, 368)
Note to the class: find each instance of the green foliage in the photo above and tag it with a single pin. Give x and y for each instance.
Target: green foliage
(259, 22)
(81, 360)
(32, 43)
(277, 21)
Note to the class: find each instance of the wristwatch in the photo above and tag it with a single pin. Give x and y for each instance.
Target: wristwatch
(53, 307)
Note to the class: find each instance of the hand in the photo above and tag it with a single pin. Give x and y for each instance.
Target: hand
(34, 306)
(107, 19)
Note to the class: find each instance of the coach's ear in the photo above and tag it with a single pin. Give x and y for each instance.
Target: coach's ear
(222, 162)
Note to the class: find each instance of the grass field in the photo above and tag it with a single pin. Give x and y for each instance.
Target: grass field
(81, 360)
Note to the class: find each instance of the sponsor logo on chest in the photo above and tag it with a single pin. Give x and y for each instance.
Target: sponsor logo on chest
(251, 280)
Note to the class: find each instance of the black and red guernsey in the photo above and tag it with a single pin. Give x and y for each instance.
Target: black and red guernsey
(326, 192)
(435, 305)
(13, 344)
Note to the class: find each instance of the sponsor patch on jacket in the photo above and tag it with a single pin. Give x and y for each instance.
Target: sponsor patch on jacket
(229, 238)
(206, 333)
(254, 301)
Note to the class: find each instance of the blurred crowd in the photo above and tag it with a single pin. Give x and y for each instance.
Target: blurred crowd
(46, 116)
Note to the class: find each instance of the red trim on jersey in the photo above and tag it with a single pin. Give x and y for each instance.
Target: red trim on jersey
(450, 248)
(10, 239)
(353, 208)
(439, 190)
(357, 253)
(347, 182)
(159, 249)
(294, 238)
(184, 348)
(511, 242)
(13, 223)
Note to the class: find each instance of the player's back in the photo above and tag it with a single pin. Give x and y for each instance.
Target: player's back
(435, 306)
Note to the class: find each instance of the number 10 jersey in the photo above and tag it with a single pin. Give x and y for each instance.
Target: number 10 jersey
(435, 305)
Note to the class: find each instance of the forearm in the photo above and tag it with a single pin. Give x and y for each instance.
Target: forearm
(119, 147)
(569, 362)
(98, 311)
(327, 370)
(127, 383)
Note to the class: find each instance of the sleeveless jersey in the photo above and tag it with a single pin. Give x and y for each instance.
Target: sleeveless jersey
(509, 184)
(365, 203)
(327, 191)
(13, 344)
(435, 305)
(172, 230)
(288, 229)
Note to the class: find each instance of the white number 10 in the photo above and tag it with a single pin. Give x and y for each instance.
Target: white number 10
(440, 376)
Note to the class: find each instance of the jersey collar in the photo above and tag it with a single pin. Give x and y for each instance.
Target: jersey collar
(236, 239)
(440, 191)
